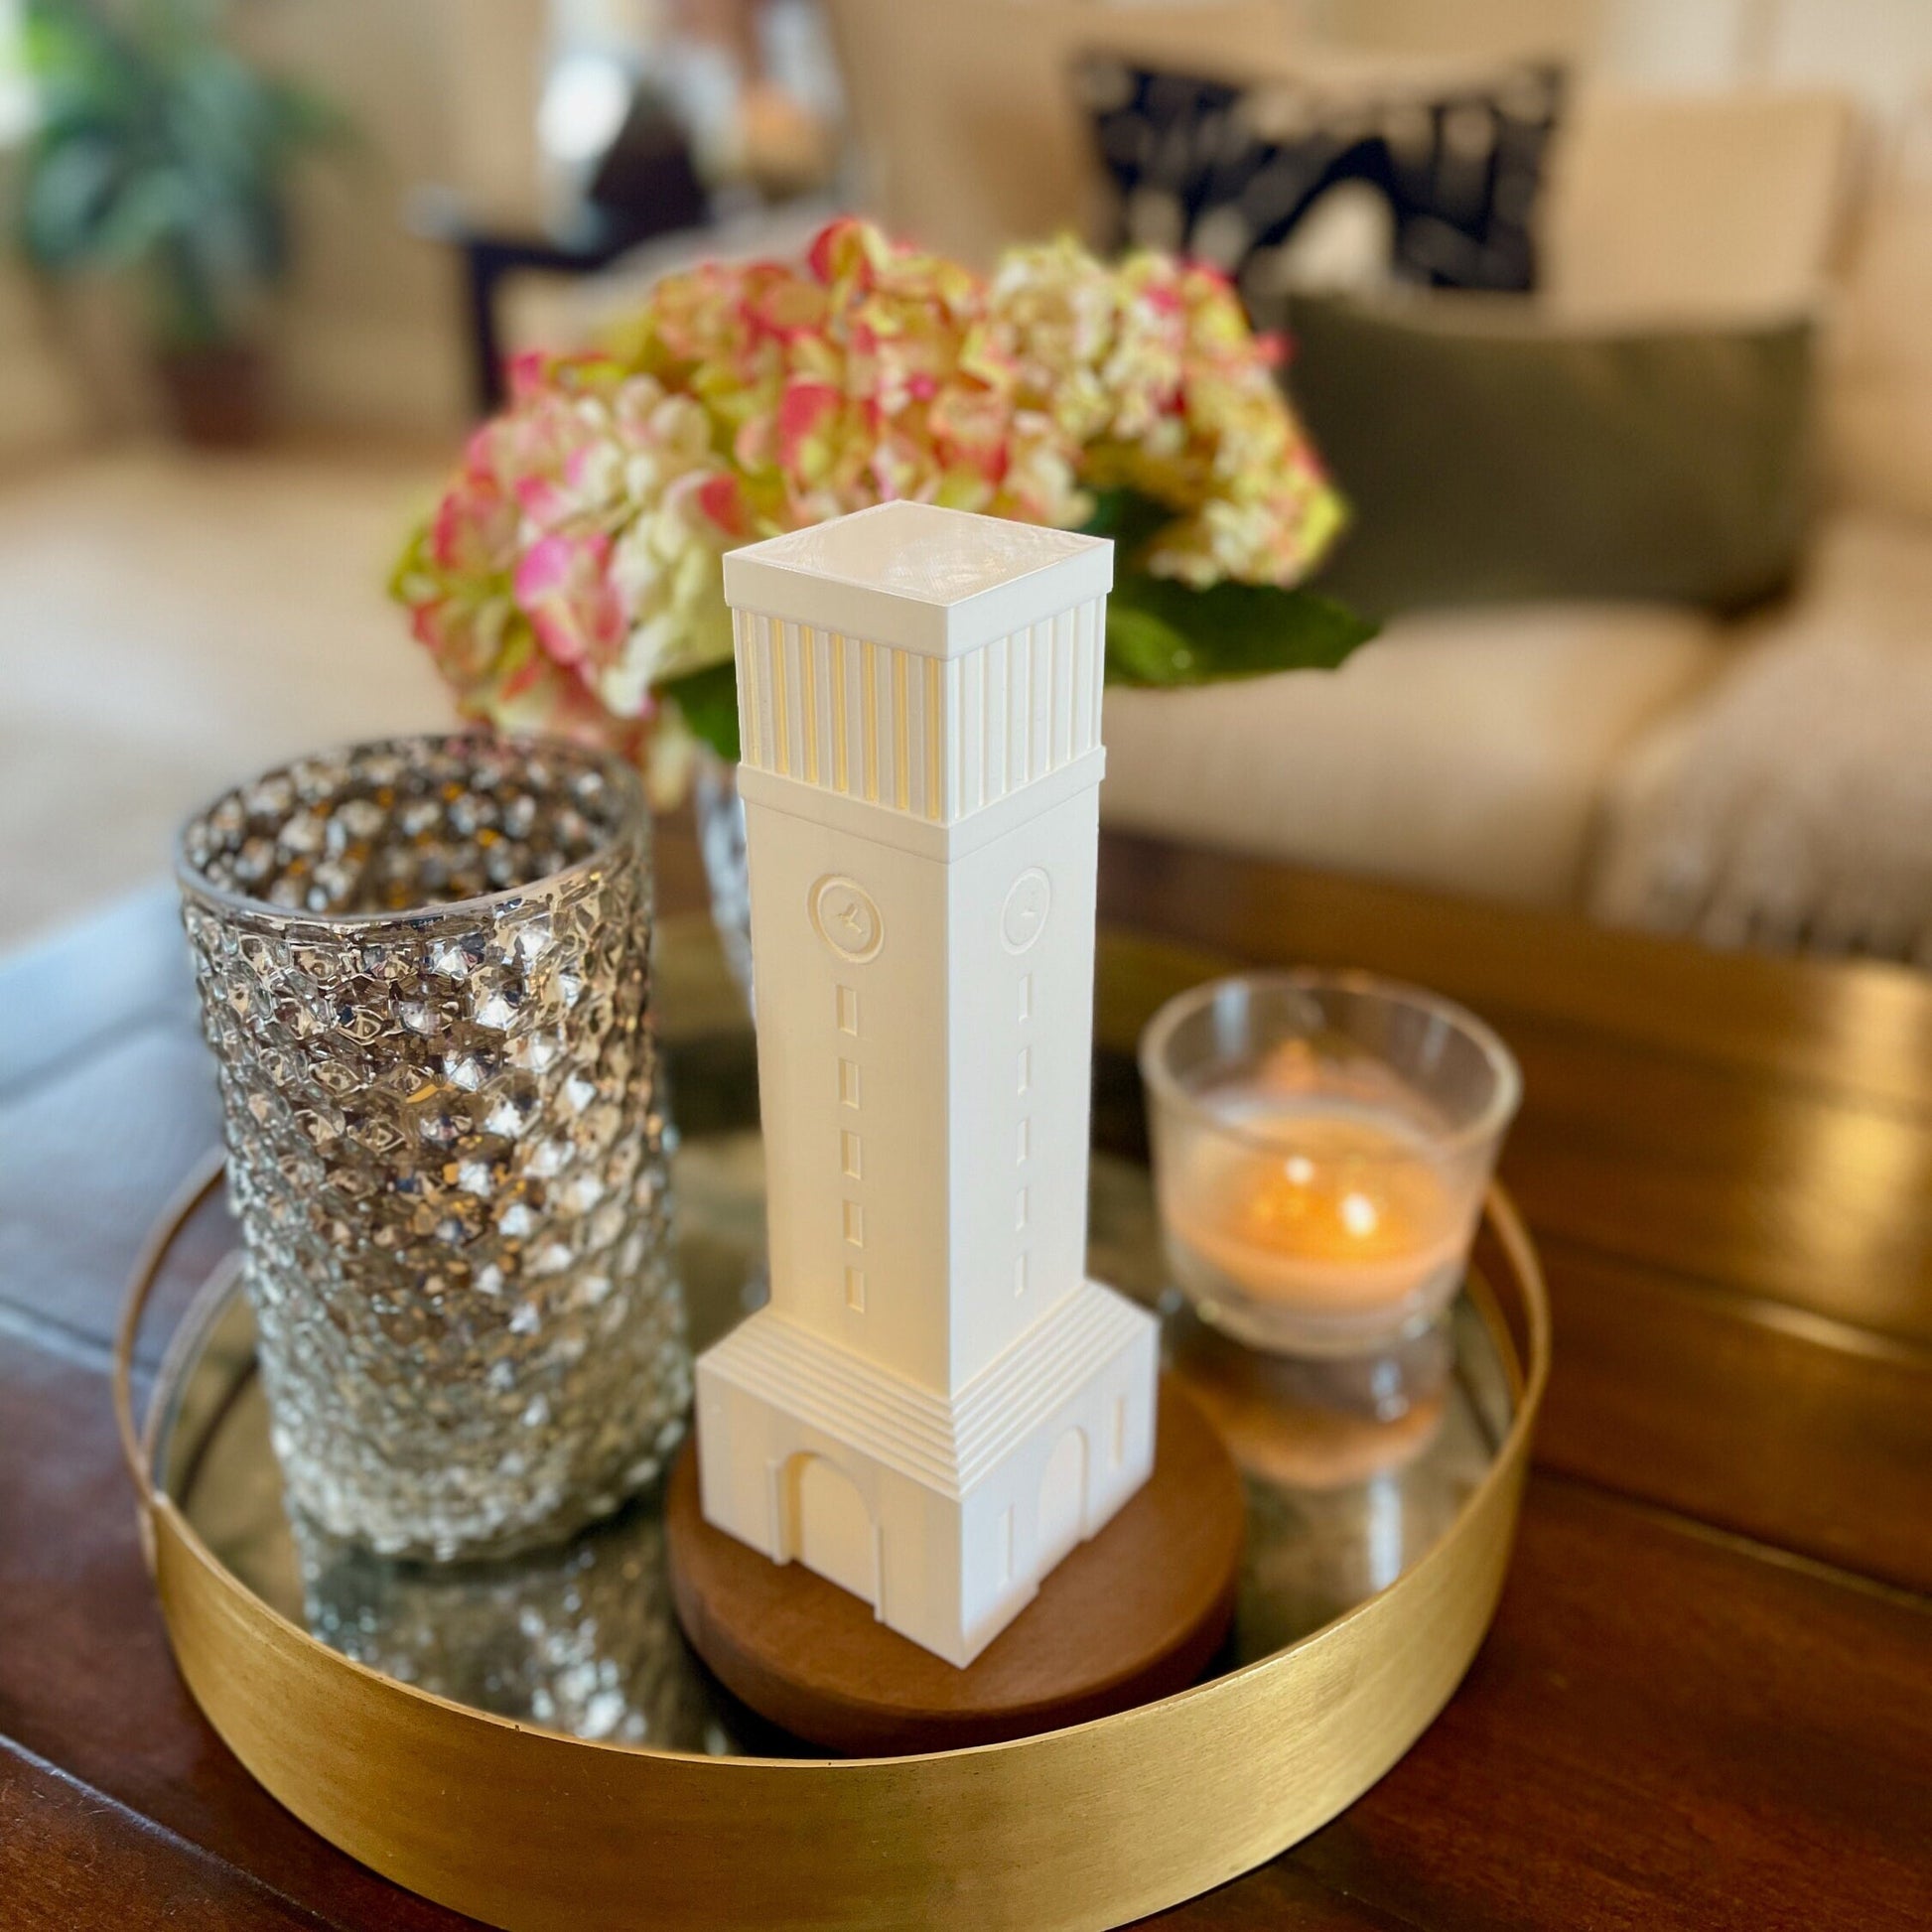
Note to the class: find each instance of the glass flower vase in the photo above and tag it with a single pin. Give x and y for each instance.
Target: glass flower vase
(424, 970)
(720, 816)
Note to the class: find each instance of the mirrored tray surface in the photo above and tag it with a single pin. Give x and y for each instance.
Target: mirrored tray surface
(583, 1639)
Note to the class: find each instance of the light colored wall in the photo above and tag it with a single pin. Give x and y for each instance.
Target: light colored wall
(1476, 28)
(41, 405)
(369, 336)
(1878, 50)
(444, 90)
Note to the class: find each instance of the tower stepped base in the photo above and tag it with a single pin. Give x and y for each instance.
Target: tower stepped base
(1135, 1614)
(941, 1513)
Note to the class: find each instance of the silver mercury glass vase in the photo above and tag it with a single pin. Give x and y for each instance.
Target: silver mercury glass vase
(424, 971)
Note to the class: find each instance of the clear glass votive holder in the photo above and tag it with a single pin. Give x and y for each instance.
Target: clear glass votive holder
(424, 971)
(1322, 1144)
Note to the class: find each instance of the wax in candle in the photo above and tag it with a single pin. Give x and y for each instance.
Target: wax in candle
(1329, 1201)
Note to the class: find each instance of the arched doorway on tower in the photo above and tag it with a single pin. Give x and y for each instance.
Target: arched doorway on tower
(827, 1526)
(1062, 1517)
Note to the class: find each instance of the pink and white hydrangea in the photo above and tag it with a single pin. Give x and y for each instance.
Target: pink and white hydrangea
(572, 567)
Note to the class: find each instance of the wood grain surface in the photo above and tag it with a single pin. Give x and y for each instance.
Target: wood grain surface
(1132, 1615)
(1707, 1701)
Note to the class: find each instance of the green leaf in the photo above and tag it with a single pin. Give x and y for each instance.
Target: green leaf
(150, 209)
(1163, 635)
(1129, 518)
(1160, 633)
(161, 151)
(709, 702)
(68, 202)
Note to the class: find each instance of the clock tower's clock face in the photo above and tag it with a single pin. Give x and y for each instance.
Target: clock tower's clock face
(847, 917)
(1024, 917)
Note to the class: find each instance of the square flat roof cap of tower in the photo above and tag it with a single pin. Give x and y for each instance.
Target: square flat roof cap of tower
(935, 581)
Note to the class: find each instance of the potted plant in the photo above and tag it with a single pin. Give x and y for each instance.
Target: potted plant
(160, 155)
(569, 578)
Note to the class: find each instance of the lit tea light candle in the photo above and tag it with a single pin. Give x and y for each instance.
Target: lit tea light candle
(1329, 1207)
(1321, 1146)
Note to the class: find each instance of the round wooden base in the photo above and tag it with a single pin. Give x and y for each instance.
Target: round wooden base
(1131, 1616)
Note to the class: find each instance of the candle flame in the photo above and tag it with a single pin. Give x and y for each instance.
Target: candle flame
(1358, 1214)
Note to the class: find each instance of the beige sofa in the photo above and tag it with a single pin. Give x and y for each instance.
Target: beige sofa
(1554, 754)
(1646, 762)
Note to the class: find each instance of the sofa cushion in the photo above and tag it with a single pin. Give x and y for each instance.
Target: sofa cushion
(1235, 173)
(1490, 453)
(1464, 750)
(1686, 207)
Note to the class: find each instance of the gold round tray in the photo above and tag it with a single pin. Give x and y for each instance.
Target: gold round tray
(1336, 1666)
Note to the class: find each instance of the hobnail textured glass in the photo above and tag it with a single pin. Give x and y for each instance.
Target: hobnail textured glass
(580, 1638)
(424, 972)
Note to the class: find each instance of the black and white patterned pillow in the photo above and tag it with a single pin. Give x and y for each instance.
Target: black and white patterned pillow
(1239, 176)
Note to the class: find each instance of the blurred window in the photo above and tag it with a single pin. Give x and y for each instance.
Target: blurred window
(584, 104)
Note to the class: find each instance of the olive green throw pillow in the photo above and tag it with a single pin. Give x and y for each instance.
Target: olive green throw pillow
(1494, 456)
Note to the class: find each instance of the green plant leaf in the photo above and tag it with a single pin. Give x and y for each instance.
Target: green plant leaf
(151, 210)
(709, 702)
(1129, 518)
(1159, 634)
(68, 202)
(1163, 635)
(159, 149)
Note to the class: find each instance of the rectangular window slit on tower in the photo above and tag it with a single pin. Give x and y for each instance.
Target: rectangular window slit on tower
(848, 1083)
(1026, 996)
(1025, 1068)
(1026, 1140)
(854, 1224)
(849, 1011)
(855, 1290)
(850, 1162)
(1020, 1274)
(1020, 1211)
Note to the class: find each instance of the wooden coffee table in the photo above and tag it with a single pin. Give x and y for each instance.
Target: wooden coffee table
(1707, 1697)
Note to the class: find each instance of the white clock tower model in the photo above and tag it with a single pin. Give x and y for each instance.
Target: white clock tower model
(937, 1405)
